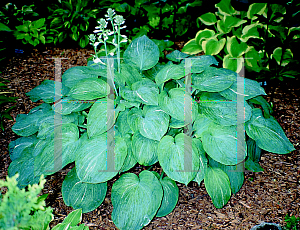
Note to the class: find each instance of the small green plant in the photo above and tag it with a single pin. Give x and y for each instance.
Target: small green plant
(292, 223)
(24, 209)
(21, 209)
(72, 18)
(34, 32)
(263, 35)
(124, 110)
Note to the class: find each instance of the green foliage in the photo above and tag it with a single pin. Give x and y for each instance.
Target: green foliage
(148, 114)
(161, 19)
(72, 18)
(264, 35)
(24, 209)
(292, 223)
(21, 209)
(4, 99)
(13, 16)
(34, 32)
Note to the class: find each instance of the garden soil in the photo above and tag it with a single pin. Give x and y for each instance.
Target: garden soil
(265, 196)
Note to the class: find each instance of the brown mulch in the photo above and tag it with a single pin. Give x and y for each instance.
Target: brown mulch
(265, 197)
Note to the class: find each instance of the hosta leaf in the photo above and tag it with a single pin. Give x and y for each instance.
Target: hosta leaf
(47, 124)
(130, 74)
(98, 119)
(221, 111)
(266, 132)
(250, 31)
(212, 46)
(217, 186)
(201, 124)
(192, 47)
(144, 149)
(173, 104)
(256, 8)
(75, 74)
(68, 105)
(200, 63)
(142, 53)
(176, 56)
(17, 146)
(287, 56)
(252, 58)
(146, 92)
(208, 19)
(24, 166)
(89, 89)
(174, 123)
(250, 88)
(27, 124)
(254, 152)
(130, 160)
(203, 161)
(73, 219)
(170, 71)
(154, 124)
(78, 194)
(94, 164)
(203, 35)
(222, 145)
(213, 79)
(225, 8)
(222, 28)
(178, 157)
(122, 124)
(234, 172)
(234, 48)
(231, 21)
(253, 166)
(233, 63)
(142, 194)
(133, 118)
(59, 151)
(170, 198)
(46, 91)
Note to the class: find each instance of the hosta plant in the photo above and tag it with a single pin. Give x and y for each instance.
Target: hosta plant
(185, 116)
(72, 19)
(264, 35)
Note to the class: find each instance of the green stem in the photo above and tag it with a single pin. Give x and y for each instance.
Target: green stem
(161, 175)
(118, 51)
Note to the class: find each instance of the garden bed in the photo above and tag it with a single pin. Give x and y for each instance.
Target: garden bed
(266, 196)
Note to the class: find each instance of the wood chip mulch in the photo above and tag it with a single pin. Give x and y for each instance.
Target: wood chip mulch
(265, 197)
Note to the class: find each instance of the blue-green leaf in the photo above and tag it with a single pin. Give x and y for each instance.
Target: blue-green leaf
(144, 149)
(178, 157)
(173, 104)
(78, 194)
(222, 111)
(89, 89)
(142, 53)
(266, 132)
(222, 145)
(94, 162)
(170, 71)
(46, 91)
(154, 124)
(170, 198)
(98, 119)
(142, 194)
(217, 186)
(213, 79)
